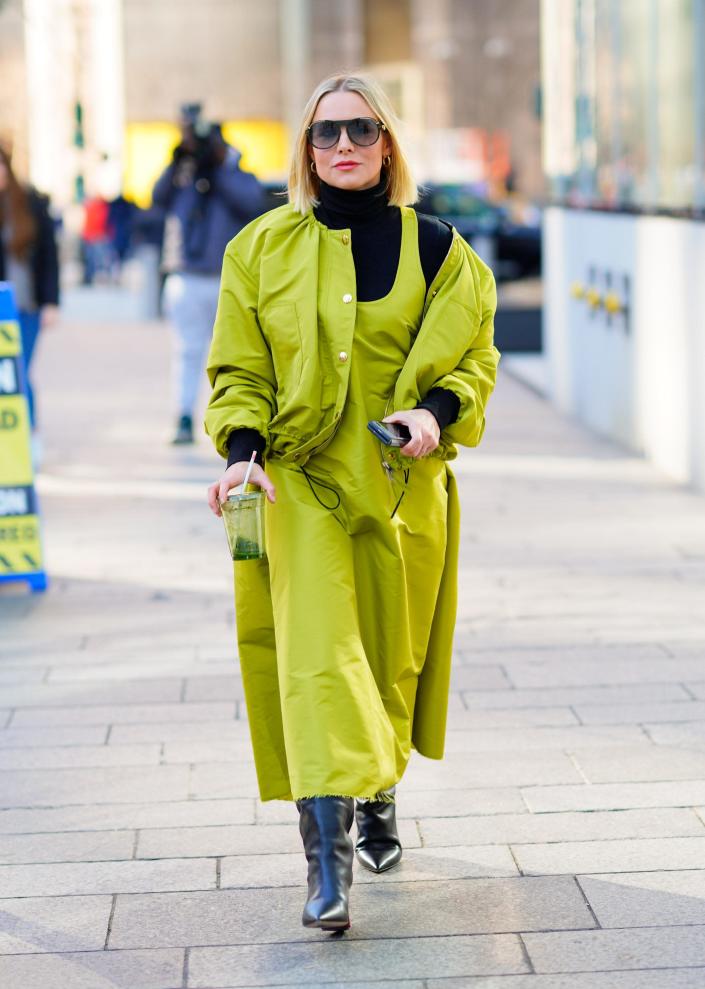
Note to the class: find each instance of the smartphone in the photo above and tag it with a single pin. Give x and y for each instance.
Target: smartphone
(391, 433)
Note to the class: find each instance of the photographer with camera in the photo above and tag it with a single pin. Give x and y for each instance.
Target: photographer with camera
(207, 199)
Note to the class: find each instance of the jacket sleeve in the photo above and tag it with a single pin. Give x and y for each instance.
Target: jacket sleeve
(473, 378)
(240, 191)
(46, 256)
(240, 367)
(164, 189)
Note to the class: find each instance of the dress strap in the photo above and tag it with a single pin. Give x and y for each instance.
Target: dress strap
(409, 256)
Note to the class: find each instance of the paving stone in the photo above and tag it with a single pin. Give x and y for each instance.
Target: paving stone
(568, 826)
(460, 770)
(128, 784)
(115, 692)
(22, 674)
(74, 756)
(5, 717)
(317, 964)
(478, 677)
(238, 840)
(94, 970)
(566, 651)
(214, 688)
(48, 923)
(100, 817)
(638, 670)
(622, 714)
(216, 750)
(385, 984)
(672, 978)
(114, 669)
(123, 714)
(617, 855)
(614, 796)
(690, 734)
(183, 733)
(556, 696)
(697, 687)
(214, 780)
(89, 846)
(511, 718)
(246, 871)
(563, 738)
(647, 899)
(38, 737)
(640, 765)
(379, 910)
(69, 878)
(582, 951)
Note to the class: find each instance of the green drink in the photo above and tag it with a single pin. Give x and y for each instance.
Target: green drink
(243, 515)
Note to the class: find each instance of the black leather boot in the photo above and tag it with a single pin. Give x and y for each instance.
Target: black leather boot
(378, 846)
(324, 823)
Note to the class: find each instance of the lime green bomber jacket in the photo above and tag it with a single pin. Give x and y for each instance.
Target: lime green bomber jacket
(284, 318)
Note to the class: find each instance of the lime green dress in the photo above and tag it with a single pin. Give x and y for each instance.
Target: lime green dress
(334, 628)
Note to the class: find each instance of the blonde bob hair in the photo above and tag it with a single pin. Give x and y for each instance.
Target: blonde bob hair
(304, 184)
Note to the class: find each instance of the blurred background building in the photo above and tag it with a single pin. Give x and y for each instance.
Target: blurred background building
(624, 237)
(106, 77)
(581, 119)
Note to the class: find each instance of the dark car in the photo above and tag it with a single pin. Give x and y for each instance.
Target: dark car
(516, 248)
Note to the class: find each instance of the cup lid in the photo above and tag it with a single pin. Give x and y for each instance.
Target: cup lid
(245, 496)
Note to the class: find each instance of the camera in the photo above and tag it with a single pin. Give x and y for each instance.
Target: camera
(202, 142)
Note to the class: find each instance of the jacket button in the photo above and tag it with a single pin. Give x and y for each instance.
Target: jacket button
(345, 239)
(347, 297)
(342, 356)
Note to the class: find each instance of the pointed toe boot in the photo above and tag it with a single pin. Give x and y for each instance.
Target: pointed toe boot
(324, 823)
(378, 847)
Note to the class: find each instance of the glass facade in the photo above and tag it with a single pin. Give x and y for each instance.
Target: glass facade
(624, 103)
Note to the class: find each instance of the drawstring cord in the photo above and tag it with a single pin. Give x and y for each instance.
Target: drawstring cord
(401, 496)
(327, 487)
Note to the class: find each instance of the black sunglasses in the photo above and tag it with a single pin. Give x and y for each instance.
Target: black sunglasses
(363, 131)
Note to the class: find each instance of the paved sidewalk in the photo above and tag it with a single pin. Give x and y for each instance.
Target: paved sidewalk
(560, 844)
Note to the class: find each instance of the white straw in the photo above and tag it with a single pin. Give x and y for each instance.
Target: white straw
(247, 472)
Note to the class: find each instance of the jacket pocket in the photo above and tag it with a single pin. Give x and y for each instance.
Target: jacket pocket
(280, 325)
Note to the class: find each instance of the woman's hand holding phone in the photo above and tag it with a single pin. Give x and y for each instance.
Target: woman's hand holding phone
(235, 475)
(424, 429)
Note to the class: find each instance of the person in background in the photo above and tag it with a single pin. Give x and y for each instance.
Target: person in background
(121, 215)
(95, 239)
(29, 261)
(208, 199)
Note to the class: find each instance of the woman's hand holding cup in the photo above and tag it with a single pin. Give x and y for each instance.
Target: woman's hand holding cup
(234, 476)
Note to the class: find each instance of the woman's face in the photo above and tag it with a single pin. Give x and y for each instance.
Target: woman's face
(347, 165)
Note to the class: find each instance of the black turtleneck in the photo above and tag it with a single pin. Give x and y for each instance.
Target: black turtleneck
(375, 229)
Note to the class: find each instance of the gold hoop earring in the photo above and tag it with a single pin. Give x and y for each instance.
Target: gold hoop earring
(387, 161)
(313, 166)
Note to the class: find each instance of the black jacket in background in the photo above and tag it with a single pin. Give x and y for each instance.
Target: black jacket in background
(44, 257)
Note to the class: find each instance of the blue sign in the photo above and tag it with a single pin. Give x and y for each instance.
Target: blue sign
(20, 535)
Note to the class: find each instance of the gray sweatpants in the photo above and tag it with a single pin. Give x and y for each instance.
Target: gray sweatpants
(190, 302)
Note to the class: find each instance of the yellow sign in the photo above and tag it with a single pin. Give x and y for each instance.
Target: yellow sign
(149, 145)
(20, 538)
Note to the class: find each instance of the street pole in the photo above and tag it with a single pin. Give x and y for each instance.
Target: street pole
(699, 107)
(294, 34)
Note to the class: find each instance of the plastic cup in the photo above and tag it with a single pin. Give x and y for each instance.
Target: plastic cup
(243, 515)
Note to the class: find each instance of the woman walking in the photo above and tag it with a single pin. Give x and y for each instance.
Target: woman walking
(29, 260)
(340, 308)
